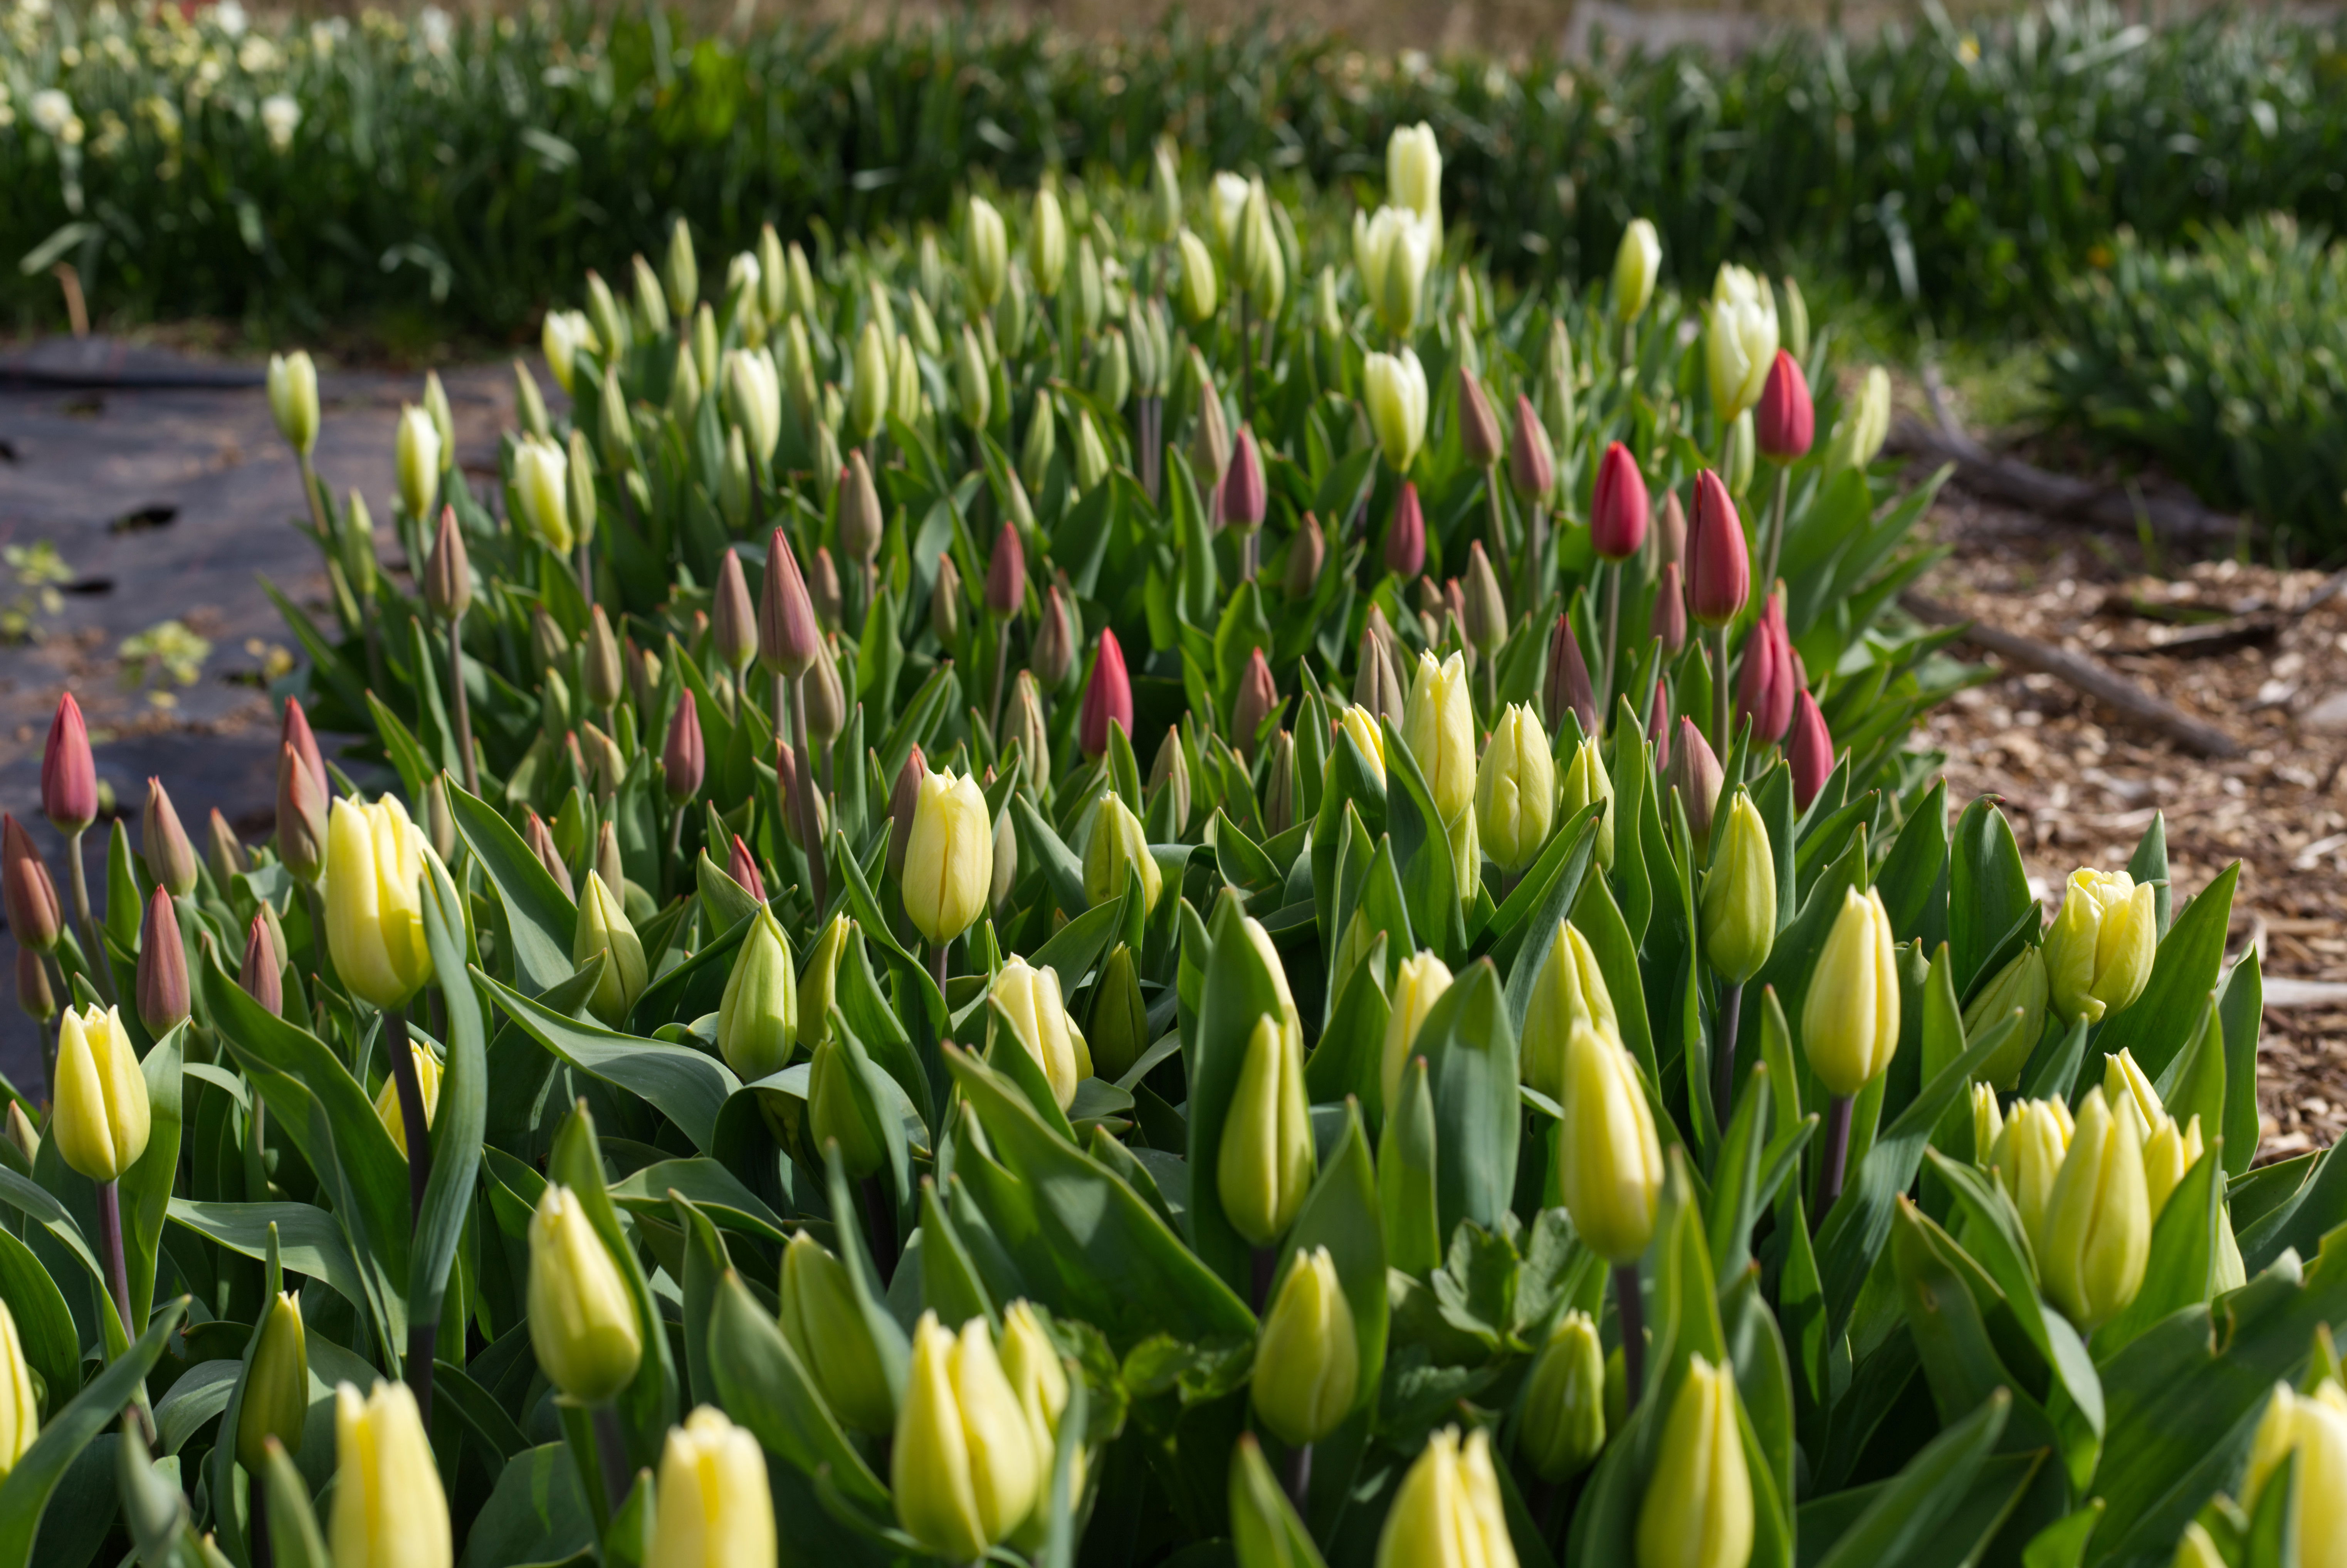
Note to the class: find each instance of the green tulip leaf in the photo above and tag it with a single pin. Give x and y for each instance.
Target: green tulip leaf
(687, 1086)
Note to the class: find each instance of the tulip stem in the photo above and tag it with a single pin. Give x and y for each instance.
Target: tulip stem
(423, 1349)
(464, 704)
(109, 1236)
(256, 1520)
(1002, 678)
(1607, 660)
(1720, 735)
(1776, 526)
(937, 967)
(1247, 359)
(1266, 1264)
(1300, 1478)
(1723, 1050)
(612, 1453)
(586, 565)
(77, 879)
(1836, 1157)
(309, 496)
(1630, 1308)
(810, 813)
(880, 1226)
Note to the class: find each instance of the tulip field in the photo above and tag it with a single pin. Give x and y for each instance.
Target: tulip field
(1136, 882)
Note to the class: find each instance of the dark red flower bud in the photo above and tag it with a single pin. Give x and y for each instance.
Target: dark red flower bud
(1245, 499)
(1108, 698)
(1569, 688)
(684, 757)
(68, 772)
(787, 634)
(1670, 610)
(1809, 748)
(1719, 565)
(743, 866)
(26, 889)
(1617, 511)
(262, 975)
(162, 967)
(1006, 572)
(1405, 536)
(1785, 423)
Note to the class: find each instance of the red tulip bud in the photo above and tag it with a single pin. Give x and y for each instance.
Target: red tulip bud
(1108, 698)
(301, 813)
(904, 793)
(1053, 652)
(742, 867)
(1006, 572)
(1257, 701)
(787, 634)
(294, 731)
(683, 758)
(1405, 536)
(170, 858)
(732, 619)
(1243, 496)
(1479, 426)
(1809, 748)
(1785, 423)
(1569, 688)
(1719, 569)
(1670, 610)
(68, 772)
(1764, 688)
(1532, 462)
(162, 967)
(262, 975)
(534, 834)
(30, 898)
(1695, 772)
(1617, 511)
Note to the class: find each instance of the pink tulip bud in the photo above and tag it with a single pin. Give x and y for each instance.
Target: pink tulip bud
(742, 867)
(1531, 461)
(1809, 748)
(787, 635)
(1243, 496)
(1719, 569)
(162, 967)
(1764, 688)
(68, 772)
(301, 815)
(1670, 529)
(1006, 572)
(33, 991)
(683, 757)
(732, 619)
(904, 793)
(1308, 552)
(294, 731)
(1405, 536)
(1617, 511)
(1569, 689)
(25, 890)
(1107, 699)
(1785, 423)
(1695, 772)
(224, 854)
(163, 842)
(1670, 610)
(1479, 426)
(1257, 701)
(534, 834)
(262, 975)
(448, 571)
(1053, 652)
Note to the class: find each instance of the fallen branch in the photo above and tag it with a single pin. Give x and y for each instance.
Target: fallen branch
(2089, 675)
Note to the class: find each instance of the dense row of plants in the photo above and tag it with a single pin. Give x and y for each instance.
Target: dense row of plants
(2226, 359)
(1531, 1069)
(308, 170)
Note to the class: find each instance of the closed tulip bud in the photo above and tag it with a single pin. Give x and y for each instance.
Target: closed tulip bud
(1120, 1024)
(389, 1510)
(1037, 447)
(680, 273)
(1256, 258)
(1865, 424)
(1265, 1162)
(1120, 846)
(715, 1510)
(539, 840)
(416, 452)
(1850, 1021)
(1515, 790)
(825, 698)
(2099, 949)
(973, 382)
(1567, 688)
(1766, 683)
(1739, 340)
(1637, 261)
(1609, 1164)
(1479, 426)
(262, 974)
(819, 981)
(428, 1081)
(1196, 288)
(301, 817)
(1568, 992)
(825, 1325)
(1563, 1423)
(34, 996)
(1720, 568)
(753, 397)
(1532, 460)
(1360, 723)
(578, 479)
(2022, 985)
(1308, 552)
(162, 967)
(758, 1018)
(1485, 613)
(1586, 780)
(1210, 444)
(1164, 209)
(1257, 703)
(788, 639)
(615, 434)
(945, 603)
(835, 1113)
(1448, 1512)
(1405, 555)
(1092, 459)
(374, 901)
(904, 798)
(1693, 770)
(1697, 1511)
(2130, 1094)
(1393, 249)
(1023, 726)
(68, 772)
(1786, 422)
(1988, 1123)
(1112, 372)
(986, 252)
(2312, 1429)
(2095, 1240)
(27, 891)
(1394, 390)
(606, 677)
(964, 1467)
(867, 403)
(1108, 696)
(603, 929)
(541, 492)
(1670, 530)
(948, 857)
(560, 337)
(683, 757)
(1739, 895)
(1047, 242)
(605, 861)
(1438, 727)
(1031, 1366)
(1619, 509)
(1030, 1001)
(448, 569)
(1809, 748)
(1376, 691)
(742, 867)
(444, 420)
(100, 1120)
(611, 328)
(1308, 1359)
(1053, 653)
(2169, 1155)
(276, 1401)
(582, 1319)
(293, 399)
(2028, 1155)
(651, 299)
(733, 621)
(1418, 983)
(1244, 497)
(1006, 573)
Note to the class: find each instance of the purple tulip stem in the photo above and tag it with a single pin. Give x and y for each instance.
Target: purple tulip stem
(109, 1236)
(1723, 1050)
(1837, 1158)
(1630, 1308)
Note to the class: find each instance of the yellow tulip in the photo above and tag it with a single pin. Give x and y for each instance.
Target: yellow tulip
(948, 857)
(2095, 1240)
(582, 1319)
(1393, 390)
(1515, 789)
(541, 486)
(1697, 1511)
(1119, 844)
(374, 901)
(102, 1120)
(1988, 1125)
(20, 1412)
(758, 1016)
(715, 1511)
(1585, 780)
(2099, 949)
(1031, 1003)
(1308, 1359)
(2131, 1094)
(389, 1509)
(276, 1390)
(1739, 894)
(2313, 1429)
(1448, 1512)
(1568, 989)
(1031, 1366)
(825, 1325)
(1362, 725)
(2020, 985)
(427, 1081)
(2028, 1155)
(2168, 1157)
(1438, 727)
(1266, 1160)
(293, 399)
(1609, 1161)
(964, 1465)
(1418, 983)
(1850, 1021)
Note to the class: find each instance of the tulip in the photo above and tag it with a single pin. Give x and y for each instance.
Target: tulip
(945, 604)
(20, 1409)
(25, 890)
(1719, 568)
(1484, 613)
(2312, 1429)
(1988, 1123)
(2169, 1156)
(1438, 727)
(1308, 552)
(1255, 255)
(1448, 1512)
(389, 1510)
(1697, 1511)
(539, 841)
(582, 1318)
(448, 571)
(1466, 859)
(100, 1120)
(753, 398)
(715, 1509)
(788, 638)
(1405, 555)
(1693, 770)
(69, 777)
(1567, 688)
(1585, 781)
(1568, 989)
(1196, 288)
(1032, 1366)
(2028, 1154)
(868, 386)
(1119, 844)
(964, 1466)
(1053, 653)
(1265, 1162)
(1418, 983)
(757, 1020)
(1618, 510)
(1739, 341)
(34, 996)
(986, 252)
(603, 927)
(1394, 390)
(1029, 1002)
(541, 488)
(374, 901)
(1393, 251)
(293, 400)
(1479, 426)
(1849, 1019)
(1669, 621)
(1414, 171)
(2021, 985)
(427, 1084)
(262, 976)
(1765, 687)
(1108, 696)
(1809, 748)
(1739, 896)
(1515, 790)
(1865, 424)
(948, 856)
(301, 836)
(2093, 1240)
(1047, 242)
(1119, 1023)
(1563, 1424)
(1785, 421)
(1609, 1163)
(162, 974)
(683, 754)
(1742, 452)
(1092, 459)
(1244, 498)
(826, 1327)
(1636, 262)
(1308, 1359)
(2099, 949)
(1532, 460)
(560, 337)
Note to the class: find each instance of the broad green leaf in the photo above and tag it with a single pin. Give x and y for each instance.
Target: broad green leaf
(762, 1384)
(687, 1086)
(540, 918)
(24, 1494)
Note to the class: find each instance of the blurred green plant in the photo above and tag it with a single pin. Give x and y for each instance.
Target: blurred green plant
(39, 573)
(165, 655)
